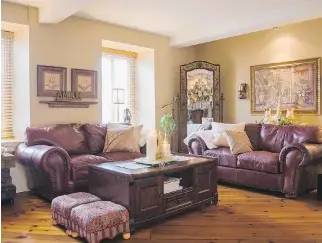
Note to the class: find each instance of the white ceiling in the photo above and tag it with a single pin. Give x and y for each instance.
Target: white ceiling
(186, 22)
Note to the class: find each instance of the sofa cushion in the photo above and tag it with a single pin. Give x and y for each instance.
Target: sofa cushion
(238, 142)
(95, 137)
(272, 138)
(79, 165)
(253, 131)
(96, 134)
(260, 161)
(123, 139)
(225, 158)
(70, 137)
(301, 134)
(218, 130)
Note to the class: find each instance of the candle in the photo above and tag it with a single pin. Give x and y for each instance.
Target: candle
(166, 149)
(151, 146)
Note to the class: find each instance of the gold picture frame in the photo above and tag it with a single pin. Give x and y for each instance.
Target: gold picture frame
(297, 82)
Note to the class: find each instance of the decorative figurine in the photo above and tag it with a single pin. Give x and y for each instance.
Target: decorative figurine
(127, 116)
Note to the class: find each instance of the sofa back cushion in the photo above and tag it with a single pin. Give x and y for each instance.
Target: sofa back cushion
(273, 137)
(70, 137)
(253, 132)
(301, 134)
(96, 133)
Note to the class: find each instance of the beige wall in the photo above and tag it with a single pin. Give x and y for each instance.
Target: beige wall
(76, 43)
(235, 56)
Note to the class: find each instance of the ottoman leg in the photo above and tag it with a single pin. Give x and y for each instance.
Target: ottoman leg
(74, 234)
(126, 236)
(54, 222)
(68, 232)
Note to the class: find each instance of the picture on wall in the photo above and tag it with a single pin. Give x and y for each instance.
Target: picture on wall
(296, 83)
(85, 82)
(50, 80)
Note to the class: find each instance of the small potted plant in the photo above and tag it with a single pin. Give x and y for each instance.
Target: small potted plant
(168, 126)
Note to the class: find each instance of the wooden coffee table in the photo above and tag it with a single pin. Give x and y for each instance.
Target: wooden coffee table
(156, 192)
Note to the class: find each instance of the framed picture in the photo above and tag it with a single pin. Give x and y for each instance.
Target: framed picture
(50, 80)
(85, 82)
(296, 84)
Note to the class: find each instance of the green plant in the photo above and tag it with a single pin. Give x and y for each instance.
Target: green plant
(168, 124)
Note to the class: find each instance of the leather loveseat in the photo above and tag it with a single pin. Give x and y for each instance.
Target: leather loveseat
(58, 156)
(285, 159)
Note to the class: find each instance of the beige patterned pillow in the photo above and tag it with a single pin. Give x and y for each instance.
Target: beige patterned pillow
(123, 139)
(238, 142)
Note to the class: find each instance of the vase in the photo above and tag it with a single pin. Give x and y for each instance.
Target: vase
(167, 144)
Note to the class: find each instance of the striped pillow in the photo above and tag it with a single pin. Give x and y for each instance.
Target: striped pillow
(123, 139)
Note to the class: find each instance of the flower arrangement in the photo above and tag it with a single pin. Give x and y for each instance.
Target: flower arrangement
(201, 91)
(279, 118)
(282, 120)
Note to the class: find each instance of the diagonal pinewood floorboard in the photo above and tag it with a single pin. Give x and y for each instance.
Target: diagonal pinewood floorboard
(241, 216)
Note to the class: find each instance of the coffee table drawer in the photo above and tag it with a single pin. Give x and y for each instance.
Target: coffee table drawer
(172, 203)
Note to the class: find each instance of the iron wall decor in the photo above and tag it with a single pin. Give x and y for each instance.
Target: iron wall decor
(85, 82)
(50, 80)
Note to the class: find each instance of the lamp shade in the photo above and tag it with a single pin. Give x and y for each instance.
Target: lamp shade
(118, 96)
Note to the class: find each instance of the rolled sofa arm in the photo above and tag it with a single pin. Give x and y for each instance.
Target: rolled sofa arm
(292, 158)
(196, 146)
(53, 161)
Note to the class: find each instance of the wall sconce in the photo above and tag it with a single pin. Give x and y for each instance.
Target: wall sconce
(242, 88)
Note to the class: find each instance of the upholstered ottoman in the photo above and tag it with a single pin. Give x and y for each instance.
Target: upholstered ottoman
(99, 220)
(62, 206)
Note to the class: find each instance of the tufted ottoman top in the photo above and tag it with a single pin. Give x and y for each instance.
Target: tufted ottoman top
(63, 205)
(99, 215)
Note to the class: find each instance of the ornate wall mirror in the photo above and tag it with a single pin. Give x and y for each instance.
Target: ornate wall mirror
(200, 99)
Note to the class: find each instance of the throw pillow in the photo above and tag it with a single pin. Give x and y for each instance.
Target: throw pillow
(206, 136)
(238, 142)
(113, 125)
(95, 136)
(123, 139)
(218, 130)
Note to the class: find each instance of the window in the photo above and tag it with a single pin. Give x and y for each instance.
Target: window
(6, 85)
(119, 85)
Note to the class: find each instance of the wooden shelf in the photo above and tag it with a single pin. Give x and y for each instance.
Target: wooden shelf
(68, 104)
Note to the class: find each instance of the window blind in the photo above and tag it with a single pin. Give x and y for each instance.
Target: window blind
(119, 72)
(6, 85)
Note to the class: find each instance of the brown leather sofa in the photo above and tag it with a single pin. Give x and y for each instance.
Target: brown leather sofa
(58, 156)
(285, 159)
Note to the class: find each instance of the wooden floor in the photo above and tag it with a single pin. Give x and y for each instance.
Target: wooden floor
(241, 216)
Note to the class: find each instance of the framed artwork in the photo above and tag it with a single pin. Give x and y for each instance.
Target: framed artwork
(85, 82)
(50, 80)
(296, 83)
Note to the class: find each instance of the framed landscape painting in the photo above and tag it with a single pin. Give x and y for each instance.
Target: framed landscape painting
(296, 83)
